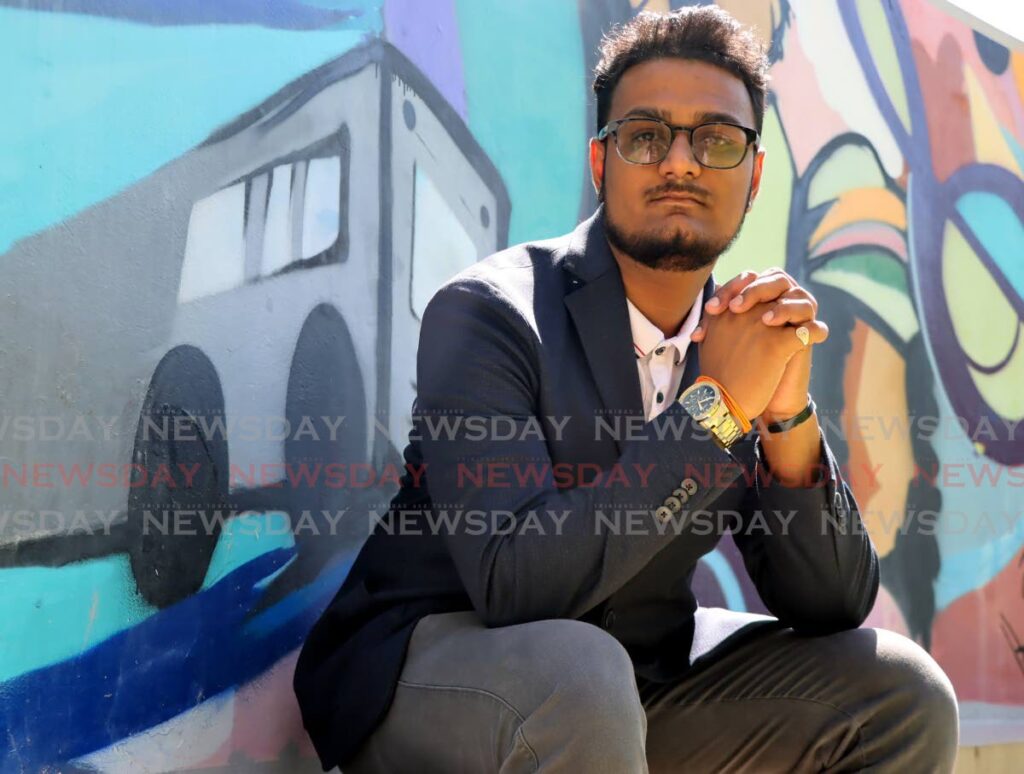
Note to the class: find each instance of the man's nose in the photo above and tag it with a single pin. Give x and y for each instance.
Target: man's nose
(680, 160)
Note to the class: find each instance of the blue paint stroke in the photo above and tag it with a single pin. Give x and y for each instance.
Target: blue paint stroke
(999, 230)
(279, 14)
(244, 538)
(165, 666)
(727, 580)
(964, 572)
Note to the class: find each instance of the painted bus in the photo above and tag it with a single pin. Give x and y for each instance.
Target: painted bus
(270, 277)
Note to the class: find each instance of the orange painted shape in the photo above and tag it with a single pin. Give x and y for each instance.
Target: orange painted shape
(862, 204)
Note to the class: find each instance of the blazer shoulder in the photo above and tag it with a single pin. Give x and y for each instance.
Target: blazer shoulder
(509, 266)
(512, 279)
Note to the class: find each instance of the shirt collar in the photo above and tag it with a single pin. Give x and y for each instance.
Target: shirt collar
(647, 336)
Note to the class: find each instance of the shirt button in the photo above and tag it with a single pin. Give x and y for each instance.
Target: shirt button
(837, 503)
(674, 504)
(609, 618)
(688, 485)
(663, 513)
(661, 397)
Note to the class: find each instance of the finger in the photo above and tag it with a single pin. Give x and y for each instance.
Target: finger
(802, 294)
(699, 333)
(796, 306)
(719, 302)
(764, 288)
(786, 343)
(789, 310)
(816, 329)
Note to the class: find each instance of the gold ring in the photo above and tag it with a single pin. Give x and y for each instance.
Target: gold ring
(803, 334)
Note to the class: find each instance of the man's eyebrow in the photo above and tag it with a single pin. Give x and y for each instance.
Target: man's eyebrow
(701, 117)
(715, 115)
(654, 112)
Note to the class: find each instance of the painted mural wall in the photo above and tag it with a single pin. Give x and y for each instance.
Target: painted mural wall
(220, 223)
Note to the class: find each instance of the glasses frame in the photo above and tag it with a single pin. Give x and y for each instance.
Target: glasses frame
(612, 128)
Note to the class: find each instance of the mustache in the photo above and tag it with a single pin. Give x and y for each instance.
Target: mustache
(679, 188)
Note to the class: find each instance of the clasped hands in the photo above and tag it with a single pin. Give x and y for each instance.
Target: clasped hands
(748, 342)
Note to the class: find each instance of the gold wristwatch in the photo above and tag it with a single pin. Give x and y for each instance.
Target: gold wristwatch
(703, 401)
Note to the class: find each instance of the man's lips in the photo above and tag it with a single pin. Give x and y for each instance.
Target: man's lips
(678, 198)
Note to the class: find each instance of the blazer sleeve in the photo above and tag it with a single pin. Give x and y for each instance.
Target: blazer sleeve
(477, 358)
(813, 565)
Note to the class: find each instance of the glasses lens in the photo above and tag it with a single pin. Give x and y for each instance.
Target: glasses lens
(719, 145)
(642, 141)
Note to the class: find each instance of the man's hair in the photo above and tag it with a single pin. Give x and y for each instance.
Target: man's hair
(705, 33)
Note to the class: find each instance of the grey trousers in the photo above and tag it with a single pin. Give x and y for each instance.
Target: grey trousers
(562, 696)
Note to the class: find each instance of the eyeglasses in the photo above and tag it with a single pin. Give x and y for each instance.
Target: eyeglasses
(716, 144)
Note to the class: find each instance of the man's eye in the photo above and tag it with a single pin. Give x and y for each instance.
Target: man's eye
(717, 139)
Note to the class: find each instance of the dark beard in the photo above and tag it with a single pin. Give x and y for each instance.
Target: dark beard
(681, 251)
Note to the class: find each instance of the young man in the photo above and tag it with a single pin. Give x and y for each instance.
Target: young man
(525, 604)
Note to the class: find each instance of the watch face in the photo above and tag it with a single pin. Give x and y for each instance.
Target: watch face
(701, 400)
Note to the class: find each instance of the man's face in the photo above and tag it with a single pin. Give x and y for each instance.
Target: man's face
(676, 234)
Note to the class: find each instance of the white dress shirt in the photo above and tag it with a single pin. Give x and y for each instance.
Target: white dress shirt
(660, 361)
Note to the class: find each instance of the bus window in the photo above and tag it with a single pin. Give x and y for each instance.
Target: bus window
(277, 236)
(441, 246)
(321, 209)
(214, 248)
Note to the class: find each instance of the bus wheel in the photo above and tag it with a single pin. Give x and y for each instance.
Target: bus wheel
(178, 497)
(325, 394)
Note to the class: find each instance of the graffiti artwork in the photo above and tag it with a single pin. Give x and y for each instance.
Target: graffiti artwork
(222, 222)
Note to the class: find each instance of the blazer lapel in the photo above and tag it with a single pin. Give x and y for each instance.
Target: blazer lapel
(598, 309)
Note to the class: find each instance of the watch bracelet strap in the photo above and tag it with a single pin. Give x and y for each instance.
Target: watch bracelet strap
(793, 421)
(738, 433)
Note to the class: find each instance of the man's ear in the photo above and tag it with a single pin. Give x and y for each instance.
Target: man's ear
(755, 179)
(596, 159)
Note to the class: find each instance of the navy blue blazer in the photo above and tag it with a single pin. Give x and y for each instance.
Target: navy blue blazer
(539, 336)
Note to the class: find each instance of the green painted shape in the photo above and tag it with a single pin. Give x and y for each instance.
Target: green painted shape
(49, 614)
(888, 304)
(850, 167)
(879, 266)
(877, 280)
(526, 106)
(883, 52)
(762, 242)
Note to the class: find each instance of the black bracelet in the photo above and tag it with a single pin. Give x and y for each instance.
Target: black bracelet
(789, 424)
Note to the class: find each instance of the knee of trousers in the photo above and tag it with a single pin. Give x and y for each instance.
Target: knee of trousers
(587, 676)
(918, 685)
